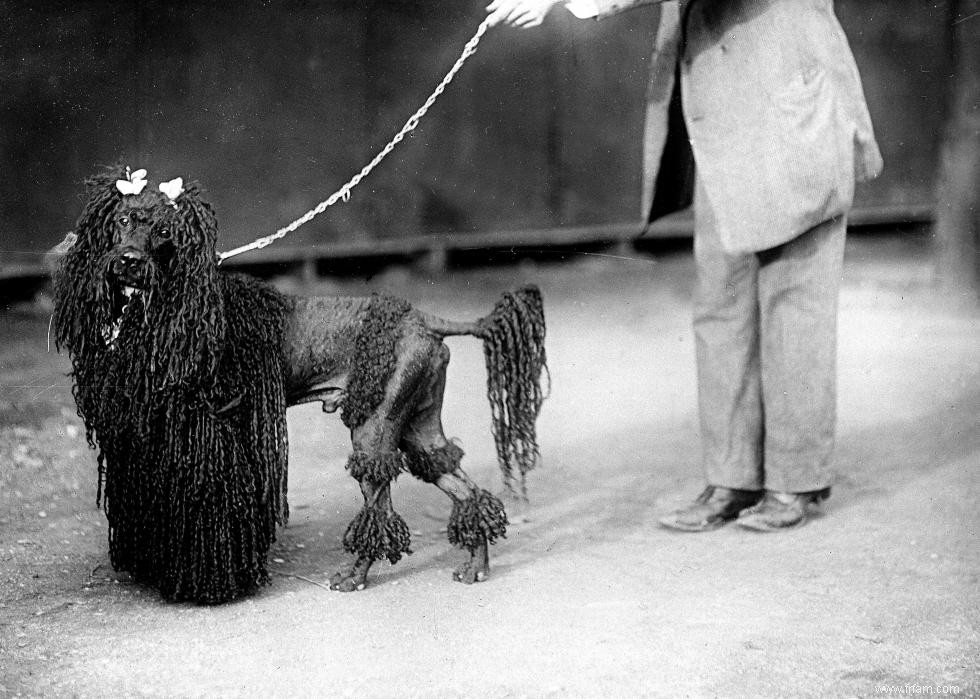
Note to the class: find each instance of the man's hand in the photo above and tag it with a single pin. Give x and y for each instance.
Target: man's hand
(519, 13)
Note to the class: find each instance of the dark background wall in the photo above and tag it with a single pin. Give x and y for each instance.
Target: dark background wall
(273, 105)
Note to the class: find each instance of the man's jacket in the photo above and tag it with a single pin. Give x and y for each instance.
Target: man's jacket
(772, 104)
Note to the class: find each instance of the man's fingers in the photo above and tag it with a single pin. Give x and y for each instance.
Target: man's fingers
(496, 17)
(496, 11)
(504, 11)
(515, 10)
(517, 13)
(528, 23)
(526, 20)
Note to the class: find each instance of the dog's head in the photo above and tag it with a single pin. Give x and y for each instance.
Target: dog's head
(143, 243)
(142, 268)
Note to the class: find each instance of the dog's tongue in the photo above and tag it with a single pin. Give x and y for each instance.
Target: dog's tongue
(111, 333)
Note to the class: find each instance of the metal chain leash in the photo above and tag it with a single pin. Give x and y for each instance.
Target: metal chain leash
(344, 192)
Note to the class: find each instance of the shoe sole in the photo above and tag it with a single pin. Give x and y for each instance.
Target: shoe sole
(692, 528)
(759, 527)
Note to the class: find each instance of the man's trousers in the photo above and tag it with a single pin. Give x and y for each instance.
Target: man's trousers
(765, 326)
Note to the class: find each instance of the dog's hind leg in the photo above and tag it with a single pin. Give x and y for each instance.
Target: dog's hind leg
(478, 518)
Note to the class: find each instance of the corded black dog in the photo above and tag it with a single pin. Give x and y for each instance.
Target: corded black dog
(183, 373)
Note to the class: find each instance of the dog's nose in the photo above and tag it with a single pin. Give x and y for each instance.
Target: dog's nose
(127, 262)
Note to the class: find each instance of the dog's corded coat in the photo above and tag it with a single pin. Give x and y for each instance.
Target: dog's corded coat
(185, 402)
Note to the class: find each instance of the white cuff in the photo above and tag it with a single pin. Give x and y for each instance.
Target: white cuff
(583, 9)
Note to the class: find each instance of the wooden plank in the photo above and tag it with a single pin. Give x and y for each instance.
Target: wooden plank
(27, 271)
(439, 247)
(892, 215)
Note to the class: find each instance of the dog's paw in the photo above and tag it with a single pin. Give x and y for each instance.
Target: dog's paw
(471, 572)
(346, 583)
(352, 578)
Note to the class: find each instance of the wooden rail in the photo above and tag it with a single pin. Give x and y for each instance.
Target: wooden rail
(437, 251)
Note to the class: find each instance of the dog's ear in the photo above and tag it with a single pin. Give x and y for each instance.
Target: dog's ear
(194, 325)
(93, 230)
(80, 310)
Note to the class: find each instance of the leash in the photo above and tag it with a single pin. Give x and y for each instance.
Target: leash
(344, 192)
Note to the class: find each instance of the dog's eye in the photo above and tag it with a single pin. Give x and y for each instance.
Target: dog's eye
(124, 221)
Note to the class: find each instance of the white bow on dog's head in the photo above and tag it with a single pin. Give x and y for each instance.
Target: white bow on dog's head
(134, 182)
(173, 189)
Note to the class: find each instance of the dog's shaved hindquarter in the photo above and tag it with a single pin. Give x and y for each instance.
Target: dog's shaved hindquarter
(142, 305)
(404, 428)
(319, 342)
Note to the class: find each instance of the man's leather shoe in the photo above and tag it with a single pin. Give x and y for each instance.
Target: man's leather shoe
(778, 511)
(713, 508)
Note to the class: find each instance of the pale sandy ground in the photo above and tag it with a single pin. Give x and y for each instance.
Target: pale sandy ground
(588, 597)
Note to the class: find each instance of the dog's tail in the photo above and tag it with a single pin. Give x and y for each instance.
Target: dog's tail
(513, 344)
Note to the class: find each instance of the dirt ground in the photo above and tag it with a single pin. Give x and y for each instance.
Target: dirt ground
(588, 596)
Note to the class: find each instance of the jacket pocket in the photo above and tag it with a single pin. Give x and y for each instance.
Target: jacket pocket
(812, 149)
(802, 91)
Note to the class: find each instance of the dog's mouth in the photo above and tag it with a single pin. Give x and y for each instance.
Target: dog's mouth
(120, 304)
(128, 292)
(129, 275)
(130, 269)
(125, 289)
